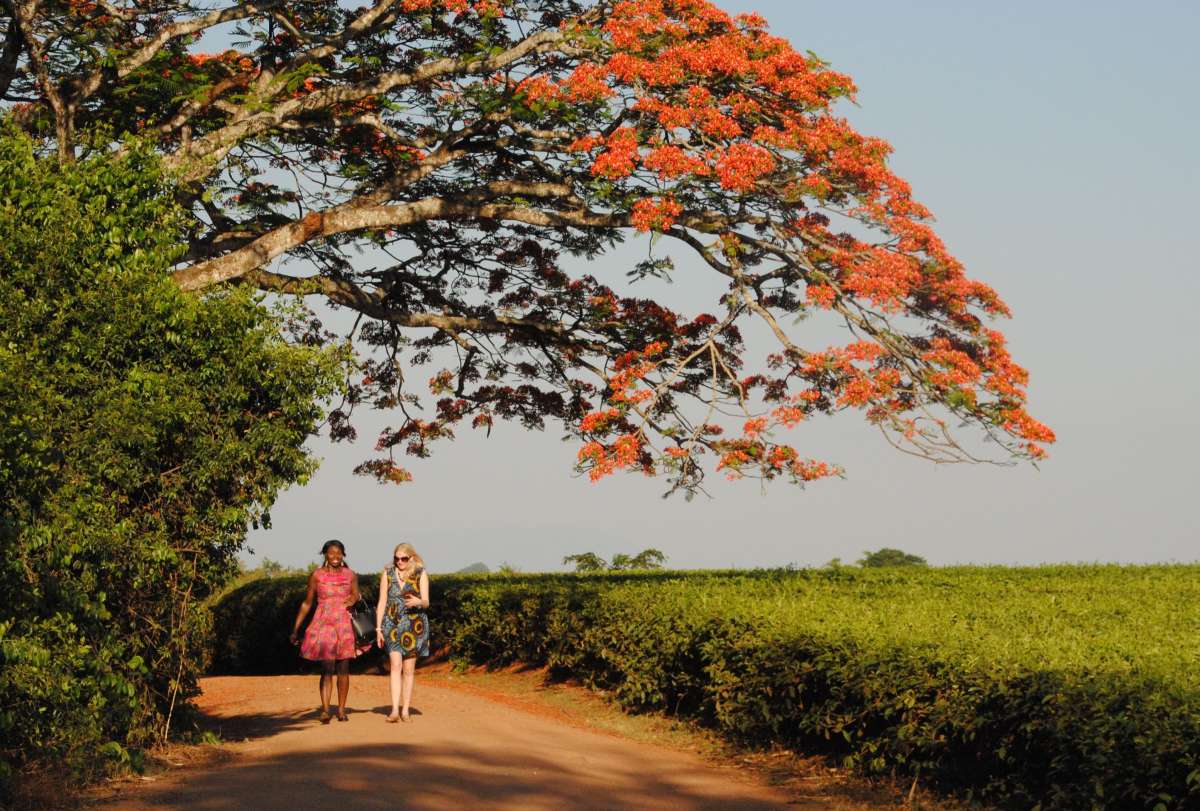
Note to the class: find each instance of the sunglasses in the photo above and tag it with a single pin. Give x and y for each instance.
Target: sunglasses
(402, 558)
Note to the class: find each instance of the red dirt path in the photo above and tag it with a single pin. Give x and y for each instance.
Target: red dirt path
(464, 750)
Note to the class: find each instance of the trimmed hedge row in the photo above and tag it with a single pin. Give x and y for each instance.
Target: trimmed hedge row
(251, 622)
(986, 712)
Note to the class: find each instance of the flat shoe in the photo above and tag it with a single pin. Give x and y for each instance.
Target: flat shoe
(343, 717)
(391, 719)
(326, 718)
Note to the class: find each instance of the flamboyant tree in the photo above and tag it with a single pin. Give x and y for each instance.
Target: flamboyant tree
(430, 164)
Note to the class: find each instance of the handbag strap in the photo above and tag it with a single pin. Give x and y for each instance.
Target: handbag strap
(362, 601)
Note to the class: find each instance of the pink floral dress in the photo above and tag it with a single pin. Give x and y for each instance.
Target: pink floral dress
(330, 635)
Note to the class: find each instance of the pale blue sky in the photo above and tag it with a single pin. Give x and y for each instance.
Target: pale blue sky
(1057, 145)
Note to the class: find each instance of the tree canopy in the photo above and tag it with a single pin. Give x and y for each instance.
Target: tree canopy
(621, 561)
(586, 562)
(431, 165)
(887, 556)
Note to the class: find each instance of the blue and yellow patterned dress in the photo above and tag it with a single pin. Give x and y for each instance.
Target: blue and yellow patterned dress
(405, 630)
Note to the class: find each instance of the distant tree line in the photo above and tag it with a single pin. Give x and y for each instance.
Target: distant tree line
(884, 557)
(591, 562)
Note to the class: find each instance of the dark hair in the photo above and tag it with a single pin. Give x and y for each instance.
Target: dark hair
(333, 542)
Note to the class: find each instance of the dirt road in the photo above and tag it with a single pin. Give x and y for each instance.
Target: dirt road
(462, 750)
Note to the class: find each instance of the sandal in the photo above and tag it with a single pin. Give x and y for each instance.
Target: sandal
(342, 717)
(391, 719)
(325, 717)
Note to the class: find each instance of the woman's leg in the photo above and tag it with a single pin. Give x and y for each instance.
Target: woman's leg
(343, 681)
(409, 672)
(394, 659)
(327, 668)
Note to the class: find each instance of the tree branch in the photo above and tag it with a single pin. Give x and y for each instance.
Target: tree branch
(379, 14)
(92, 82)
(9, 56)
(355, 216)
(215, 145)
(348, 294)
(24, 15)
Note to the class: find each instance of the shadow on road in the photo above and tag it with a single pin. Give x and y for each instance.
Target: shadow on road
(413, 776)
(253, 726)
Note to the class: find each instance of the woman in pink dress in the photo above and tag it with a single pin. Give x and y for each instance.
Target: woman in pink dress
(330, 637)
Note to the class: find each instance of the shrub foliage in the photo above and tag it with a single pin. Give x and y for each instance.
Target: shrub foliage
(143, 428)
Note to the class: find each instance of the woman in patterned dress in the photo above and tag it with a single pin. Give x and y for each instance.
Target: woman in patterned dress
(401, 625)
(329, 638)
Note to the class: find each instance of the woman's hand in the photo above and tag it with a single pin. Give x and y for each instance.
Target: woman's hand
(294, 639)
(413, 601)
(379, 637)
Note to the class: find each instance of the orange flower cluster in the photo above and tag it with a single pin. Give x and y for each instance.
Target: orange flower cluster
(717, 108)
(960, 369)
(597, 421)
(821, 295)
(755, 427)
(671, 162)
(654, 214)
(620, 156)
(484, 8)
(886, 278)
(771, 460)
(539, 88)
(587, 83)
(630, 369)
(668, 53)
(602, 461)
(230, 60)
(1020, 423)
(740, 167)
(442, 382)
(625, 452)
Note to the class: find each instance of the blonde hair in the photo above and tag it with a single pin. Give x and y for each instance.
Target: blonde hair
(416, 561)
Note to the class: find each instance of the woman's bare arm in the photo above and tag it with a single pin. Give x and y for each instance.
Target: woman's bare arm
(309, 597)
(381, 603)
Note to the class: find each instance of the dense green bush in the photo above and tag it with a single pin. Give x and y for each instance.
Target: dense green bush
(141, 430)
(1068, 687)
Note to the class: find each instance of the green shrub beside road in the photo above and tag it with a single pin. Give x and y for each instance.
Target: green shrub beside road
(141, 430)
(1071, 687)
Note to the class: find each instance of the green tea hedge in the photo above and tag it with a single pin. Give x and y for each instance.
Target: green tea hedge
(1058, 687)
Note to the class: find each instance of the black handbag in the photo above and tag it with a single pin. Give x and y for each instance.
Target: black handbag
(362, 620)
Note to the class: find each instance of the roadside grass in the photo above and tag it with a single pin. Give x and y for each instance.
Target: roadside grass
(43, 791)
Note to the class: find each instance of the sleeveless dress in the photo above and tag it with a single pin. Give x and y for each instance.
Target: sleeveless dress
(329, 634)
(405, 630)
